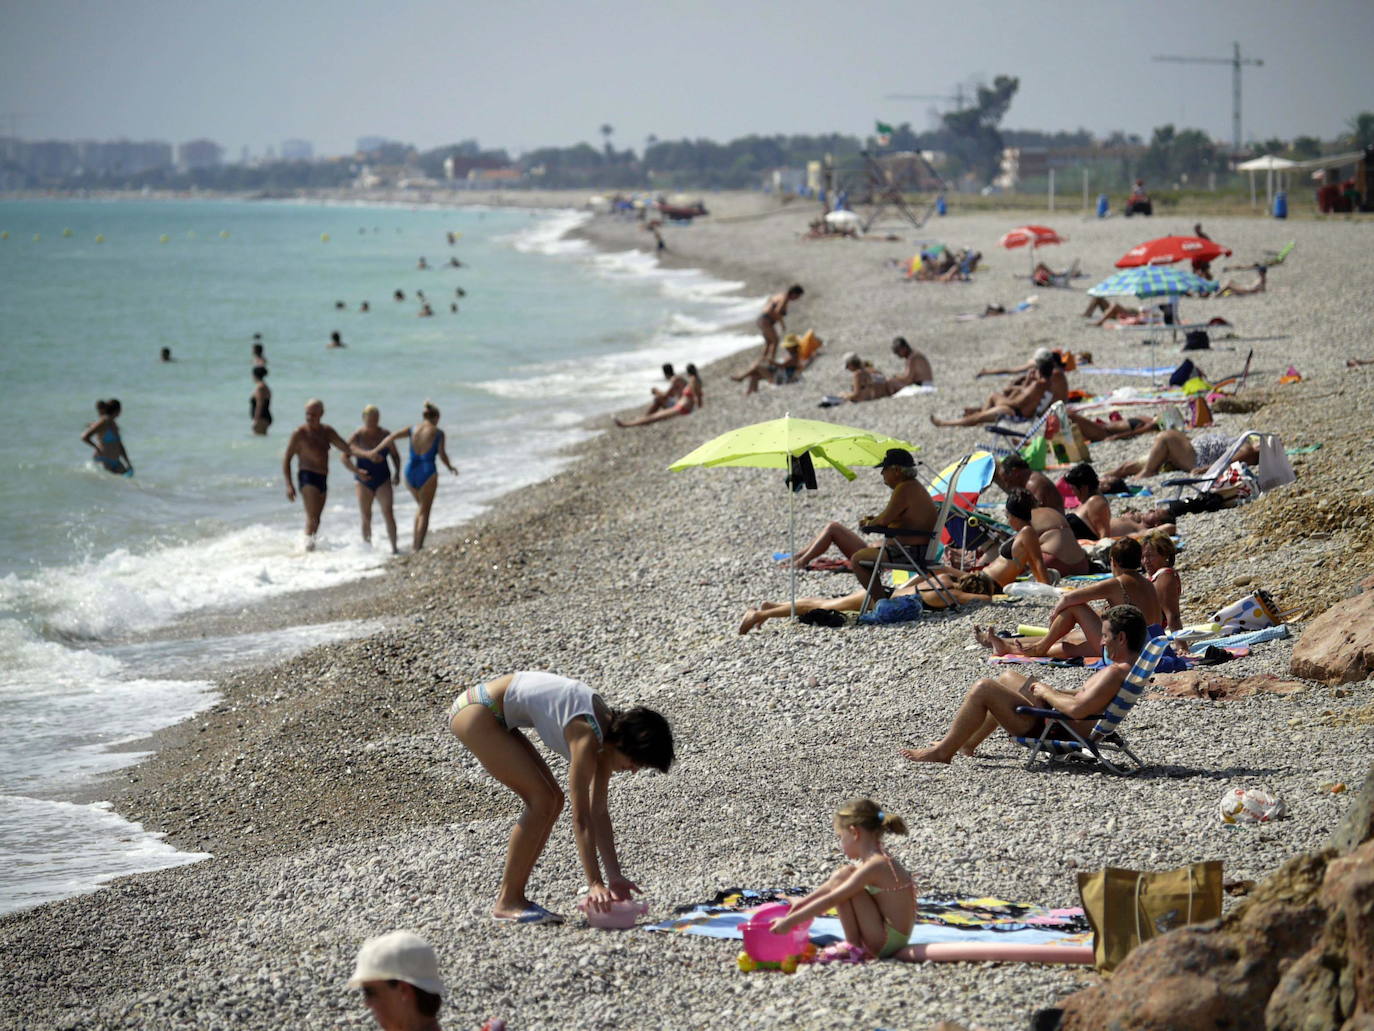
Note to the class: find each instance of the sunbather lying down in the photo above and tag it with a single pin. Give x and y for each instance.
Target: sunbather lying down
(1044, 541)
(1073, 613)
(965, 589)
(1172, 451)
(991, 703)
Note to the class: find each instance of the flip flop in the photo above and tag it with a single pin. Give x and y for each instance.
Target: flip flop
(534, 913)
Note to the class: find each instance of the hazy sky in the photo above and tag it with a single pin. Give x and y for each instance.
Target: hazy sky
(522, 73)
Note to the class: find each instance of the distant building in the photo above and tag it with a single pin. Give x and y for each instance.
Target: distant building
(297, 150)
(199, 154)
(123, 157)
(367, 144)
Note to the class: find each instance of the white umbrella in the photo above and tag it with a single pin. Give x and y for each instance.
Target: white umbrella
(1268, 164)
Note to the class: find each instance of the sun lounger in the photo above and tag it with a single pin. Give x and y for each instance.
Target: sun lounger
(1059, 742)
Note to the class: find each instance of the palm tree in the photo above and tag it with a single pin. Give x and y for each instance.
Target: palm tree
(606, 130)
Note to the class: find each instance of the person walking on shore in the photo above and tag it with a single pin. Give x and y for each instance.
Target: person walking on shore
(771, 324)
(399, 977)
(260, 403)
(422, 474)
(310, 444)
(109, 448)
(375, 477)
(596, 740)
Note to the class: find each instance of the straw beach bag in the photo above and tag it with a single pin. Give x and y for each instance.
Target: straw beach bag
(1128, 907)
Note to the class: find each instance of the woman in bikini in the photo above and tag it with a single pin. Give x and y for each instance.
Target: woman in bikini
(769, 322)
(691, 398)
(874, 895)
(103, 437)
(422, 473)
(964, 588)
(1157, 553)
(572, 720)
(375, 477)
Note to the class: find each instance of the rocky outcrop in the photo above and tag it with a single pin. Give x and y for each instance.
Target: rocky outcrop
(1338, 646)
(1297, 955)
(1201, 684)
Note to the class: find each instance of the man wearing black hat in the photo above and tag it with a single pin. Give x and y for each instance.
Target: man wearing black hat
(908, 508)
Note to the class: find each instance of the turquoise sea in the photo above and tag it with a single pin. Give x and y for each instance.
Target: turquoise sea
(91, 565)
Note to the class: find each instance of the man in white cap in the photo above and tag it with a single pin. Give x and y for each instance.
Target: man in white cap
(399, 975)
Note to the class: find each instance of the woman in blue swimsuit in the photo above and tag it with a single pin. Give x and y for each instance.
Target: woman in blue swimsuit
(375, 477)
(109, 448)
(422, 475)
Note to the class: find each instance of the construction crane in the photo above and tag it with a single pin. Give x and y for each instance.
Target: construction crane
(1235, 61)
(957, 98)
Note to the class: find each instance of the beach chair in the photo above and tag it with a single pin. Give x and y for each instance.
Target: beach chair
(1274, 468)
(1022, 435)
(896, 556)
(1060, 743)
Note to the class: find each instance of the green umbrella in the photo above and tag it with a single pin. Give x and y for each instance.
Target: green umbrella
(772, 445)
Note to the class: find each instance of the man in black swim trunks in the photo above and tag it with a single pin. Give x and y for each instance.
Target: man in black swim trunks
(310, 444)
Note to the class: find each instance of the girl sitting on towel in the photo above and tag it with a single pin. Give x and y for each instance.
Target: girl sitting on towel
(875, 896)
(596, 740)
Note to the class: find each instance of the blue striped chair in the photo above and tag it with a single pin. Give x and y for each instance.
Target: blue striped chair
(1059, 742)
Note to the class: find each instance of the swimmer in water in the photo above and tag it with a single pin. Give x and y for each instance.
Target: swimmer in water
(167, 355)
(259, 359)
(399, 295)
(260, 403)
(364, 307)
(335, 340)
(422, 477)
(375, 477)
(103, 437)
(310, 444)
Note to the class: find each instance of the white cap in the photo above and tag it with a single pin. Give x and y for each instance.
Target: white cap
(849, 356)
(1042, 352)
(398, 956)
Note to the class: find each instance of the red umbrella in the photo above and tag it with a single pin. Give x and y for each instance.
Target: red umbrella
(1036, 236)
(1169, 249)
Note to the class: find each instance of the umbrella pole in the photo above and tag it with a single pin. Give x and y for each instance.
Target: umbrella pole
(792, 546)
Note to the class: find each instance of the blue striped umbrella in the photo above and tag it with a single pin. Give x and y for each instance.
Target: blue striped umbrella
(1152, 281)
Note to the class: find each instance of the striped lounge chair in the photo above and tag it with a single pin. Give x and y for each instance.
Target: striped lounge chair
(1059, 742)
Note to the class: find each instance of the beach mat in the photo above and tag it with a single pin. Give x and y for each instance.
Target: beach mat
(948, 927)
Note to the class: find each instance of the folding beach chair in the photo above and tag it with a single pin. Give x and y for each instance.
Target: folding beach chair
(894, 555)
(1059, 742)
(1274, 468)
(1022, 435)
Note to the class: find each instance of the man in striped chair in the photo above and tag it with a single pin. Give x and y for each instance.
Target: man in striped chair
(992, 702)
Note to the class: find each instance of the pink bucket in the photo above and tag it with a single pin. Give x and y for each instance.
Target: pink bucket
(763, 945)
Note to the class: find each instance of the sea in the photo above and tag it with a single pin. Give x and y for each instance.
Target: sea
(101, 575)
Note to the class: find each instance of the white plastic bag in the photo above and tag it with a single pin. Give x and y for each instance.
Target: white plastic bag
(1251, 805)
(1032, 589)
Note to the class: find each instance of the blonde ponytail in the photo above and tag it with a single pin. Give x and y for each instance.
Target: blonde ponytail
(866, 813)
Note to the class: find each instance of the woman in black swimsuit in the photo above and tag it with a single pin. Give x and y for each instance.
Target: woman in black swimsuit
(260, 403)
(375, 478)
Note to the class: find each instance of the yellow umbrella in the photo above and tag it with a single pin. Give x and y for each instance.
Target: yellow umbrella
(773, 445)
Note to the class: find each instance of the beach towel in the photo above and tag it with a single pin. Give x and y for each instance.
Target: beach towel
(940, 917)
(1151, 371)
(1269, 633)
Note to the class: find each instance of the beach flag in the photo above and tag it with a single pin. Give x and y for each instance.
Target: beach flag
(884, 134)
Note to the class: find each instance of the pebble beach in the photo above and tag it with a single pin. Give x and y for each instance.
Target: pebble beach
(336, 805)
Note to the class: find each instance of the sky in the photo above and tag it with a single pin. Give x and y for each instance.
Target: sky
(525, 73)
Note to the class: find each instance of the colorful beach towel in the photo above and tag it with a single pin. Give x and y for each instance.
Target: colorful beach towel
(1158, 370)
(940, 917)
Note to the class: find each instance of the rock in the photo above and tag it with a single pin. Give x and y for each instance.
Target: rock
(1358, 825)
(1338, 646)
(1199, 684)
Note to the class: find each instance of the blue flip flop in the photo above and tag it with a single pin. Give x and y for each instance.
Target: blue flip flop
(532, 914)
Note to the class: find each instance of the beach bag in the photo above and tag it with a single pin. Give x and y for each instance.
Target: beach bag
(895, 610)
(1239, 482)
(1129, 907)
(1197, 340)
(1251, 805)
(1036, 453)
(1199, 412)
(1170, 419)
(1253, 612)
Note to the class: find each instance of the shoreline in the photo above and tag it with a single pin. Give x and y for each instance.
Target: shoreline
(326, 777)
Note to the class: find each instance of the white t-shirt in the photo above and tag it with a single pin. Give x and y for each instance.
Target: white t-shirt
(548, 703)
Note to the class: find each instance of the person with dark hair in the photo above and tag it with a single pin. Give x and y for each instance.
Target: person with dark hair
(692, 397)
(1097, 430)
(335, 341)
(1013, 471)
(1018, 402)
(771, 325)
(597, 741)
(909, 508)
(260, 402)
(399, 977)
(1093, 519)
(916, 368)
(1127, 586)
(992, 702)
(1044, 544)
(166, 355)
(965, 589)
(109, 448)
(259, 358)
(668, 396)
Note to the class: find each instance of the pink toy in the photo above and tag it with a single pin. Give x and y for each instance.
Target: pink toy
(620, 917)
(763, 948)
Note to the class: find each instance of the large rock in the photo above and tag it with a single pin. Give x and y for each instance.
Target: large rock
(1196, 683)
(1297, 955)
(1338, 646)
